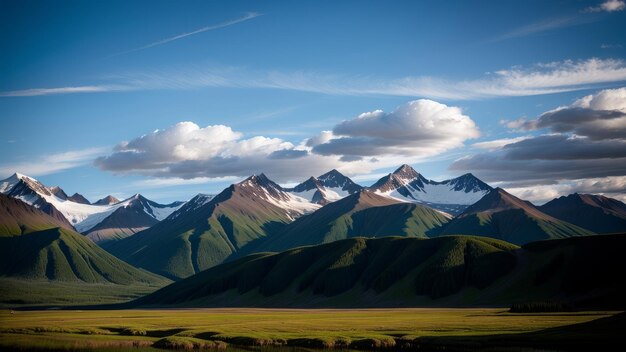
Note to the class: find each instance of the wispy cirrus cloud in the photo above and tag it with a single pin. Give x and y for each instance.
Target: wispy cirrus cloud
(543, 26)
(246, 17)
(64, 90)
(52, 163)
(538, 79)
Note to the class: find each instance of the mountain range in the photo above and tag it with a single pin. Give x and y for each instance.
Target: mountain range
(106, 220)
(206, 231)
(256, 215)
(451, 196)
(504, 216)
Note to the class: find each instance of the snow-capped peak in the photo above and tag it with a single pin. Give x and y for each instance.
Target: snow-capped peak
(451, 196)
(82, 216)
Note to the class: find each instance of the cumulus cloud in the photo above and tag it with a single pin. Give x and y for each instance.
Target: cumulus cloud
(599, 116)
(608, 6)
(186, 151)
(587, 140)
(419, 128)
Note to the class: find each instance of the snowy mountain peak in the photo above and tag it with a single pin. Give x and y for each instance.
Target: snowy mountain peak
(336, 180)
(451, 196)
(193, 204)
(468, 183)
(406, 172)
(311, 184)
(260, 180)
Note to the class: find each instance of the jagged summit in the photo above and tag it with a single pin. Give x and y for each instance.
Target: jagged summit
(326, 188)
(467, 183)
(406, 172)
(336, 180)
(451, 196)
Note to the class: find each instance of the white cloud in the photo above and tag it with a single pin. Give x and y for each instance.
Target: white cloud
(186, 151)
(608, 6)
(608, 99)
(498, 143)
(539, 79)
(420, 128)
(586, 140)
(598, 116)
(614, 187)
(52, 163)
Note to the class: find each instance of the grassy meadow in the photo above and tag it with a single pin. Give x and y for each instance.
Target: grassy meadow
(316, 328)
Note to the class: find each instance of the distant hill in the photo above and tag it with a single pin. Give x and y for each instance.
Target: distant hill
(395, 272)
(503, 216)
(108, 200)
(365, 214)
(204, 232)
(592, 212)
(34, 245)
(138, 213)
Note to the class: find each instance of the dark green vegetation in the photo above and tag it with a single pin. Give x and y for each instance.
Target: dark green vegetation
(363, 214)
(503, 216)
(592, 212)
(34, 247)
(425, 329)
(392, 271)
(180, 246)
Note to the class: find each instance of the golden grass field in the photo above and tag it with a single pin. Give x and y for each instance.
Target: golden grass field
(214, 328)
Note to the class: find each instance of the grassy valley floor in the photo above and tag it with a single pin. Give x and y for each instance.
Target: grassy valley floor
(456, 329)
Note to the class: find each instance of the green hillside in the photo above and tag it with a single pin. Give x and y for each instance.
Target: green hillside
(35, 251)
(202, 237)
(348, 272)
(503, 216)
(393, 271)
(363, 214)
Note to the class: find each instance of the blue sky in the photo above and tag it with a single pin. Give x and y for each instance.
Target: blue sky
(78, 78)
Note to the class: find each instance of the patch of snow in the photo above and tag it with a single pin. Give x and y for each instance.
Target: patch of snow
(308, 195)
(436, 194)
(294, 205)
(335, 193)
(162, 213)
(83, 216)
